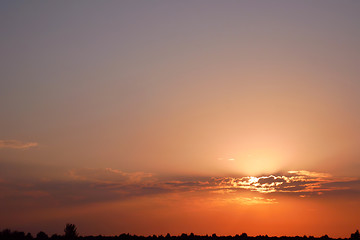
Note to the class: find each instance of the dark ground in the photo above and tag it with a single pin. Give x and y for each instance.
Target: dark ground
(7, 234)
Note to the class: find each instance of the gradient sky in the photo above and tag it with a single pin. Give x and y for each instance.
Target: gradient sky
(151, 117)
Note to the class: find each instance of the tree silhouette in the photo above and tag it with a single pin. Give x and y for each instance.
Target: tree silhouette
(70, 231)
(6, 233)
(29, 236)
(42, 236)
(355, 235)
(243, 235)
(72, 234)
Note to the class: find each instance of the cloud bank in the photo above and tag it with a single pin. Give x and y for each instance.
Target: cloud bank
(88, 185)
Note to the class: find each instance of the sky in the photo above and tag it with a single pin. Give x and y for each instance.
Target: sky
(155, 117)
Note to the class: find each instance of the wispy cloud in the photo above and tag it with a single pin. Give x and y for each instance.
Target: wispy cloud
(252, 200)
(15, 144)
(109, 175)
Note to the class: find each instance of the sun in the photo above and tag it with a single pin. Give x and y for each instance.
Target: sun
(257, 164)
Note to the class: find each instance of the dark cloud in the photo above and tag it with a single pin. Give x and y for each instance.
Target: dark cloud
(270, 180)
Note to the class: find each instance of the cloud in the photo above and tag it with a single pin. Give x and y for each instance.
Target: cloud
(109, 176)
(15, 144)
(292, 182)
(139, 183)
(270, 180)
(89, 185)
(252, 200)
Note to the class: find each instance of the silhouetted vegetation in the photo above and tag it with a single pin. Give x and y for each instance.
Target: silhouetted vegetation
(355, 235)
(70, 232)
(42, 236)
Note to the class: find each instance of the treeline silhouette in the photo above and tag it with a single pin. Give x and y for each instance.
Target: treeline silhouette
(70, 233)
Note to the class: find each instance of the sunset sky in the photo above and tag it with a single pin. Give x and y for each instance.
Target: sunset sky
(155, 117)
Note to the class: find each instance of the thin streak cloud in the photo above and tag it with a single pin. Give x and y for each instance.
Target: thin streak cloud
(15, 144)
